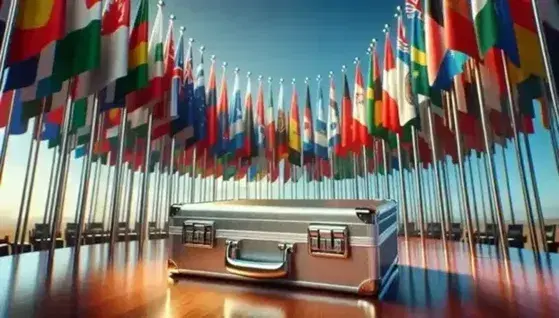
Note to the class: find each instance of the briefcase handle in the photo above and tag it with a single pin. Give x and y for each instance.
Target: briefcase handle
(255, 269)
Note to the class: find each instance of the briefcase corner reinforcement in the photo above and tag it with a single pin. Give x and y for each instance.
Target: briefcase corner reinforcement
(288, 242)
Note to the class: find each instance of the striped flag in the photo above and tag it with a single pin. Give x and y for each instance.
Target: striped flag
(321, 135)
(334, 137)
(236, 128)
(308, 130)
(390, 116)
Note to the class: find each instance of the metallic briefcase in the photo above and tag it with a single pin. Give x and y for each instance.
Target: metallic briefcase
(340, 245)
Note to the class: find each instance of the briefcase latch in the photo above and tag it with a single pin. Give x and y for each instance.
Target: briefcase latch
(328, 240)
(198, 233)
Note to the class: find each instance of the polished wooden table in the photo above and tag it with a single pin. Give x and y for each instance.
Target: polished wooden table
(118, 283)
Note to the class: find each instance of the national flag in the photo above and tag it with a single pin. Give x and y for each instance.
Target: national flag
(527, 40)
(334, 138)
(271, 145)
(282, 136)
(80, 49)
(177, 79)
(260, 125)
(152, 93)
(321, 135)
(183, 126)
(221, 147)
(114, 52)
(406, 106)
(346, 135)
(211, 112)
(200, 119)
(137, 75)
(418, 57)
(460, 35)
(550, 20)
(506, 39)
(360, 132)
(390, 116)
(294, 135)
(486, 27)
(236, 127)
(442, 64)
(308, 130)
(162, 109)
(37, 24)
(18, 124)
(250, 149)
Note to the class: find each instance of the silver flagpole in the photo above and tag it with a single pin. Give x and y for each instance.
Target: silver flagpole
(482, 191)
(145, 187)
(376, 171)
(385, 166)
(462, 174)
(157, 193)
(214, 181)
(6, 137)
(27, 188)
(507, 183)
(494, 188)
(80, 190)
(193, 176)
(115, 207)
(130, 194)
(170, 176)
(107, 188)
(437, 180)
(541, 220)
(546, 59)
(519, 160)
(185, 179)
(418, 186)
(474, 197)
(402, 186)
(53, 165)
(59, 193)
(97, 176)
(3, 55)
(203, 179)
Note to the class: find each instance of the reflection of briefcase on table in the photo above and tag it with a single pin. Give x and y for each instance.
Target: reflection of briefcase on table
(340, 245)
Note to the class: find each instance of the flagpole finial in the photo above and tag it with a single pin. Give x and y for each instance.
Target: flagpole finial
(249, 73)
(356, 60)
(260, 78)
(374, 41)
(224, 65)
(398, 10)
(343, 68)
(293, 81)
(369, 50)
(160, 3)
(307, 80)
(212, 58)
(331, 74)
(182, 29)
(270, 79)
(281, 80)
(318, 78)
(190, 40)
(237, 70)
(172, 17)
(202, 49)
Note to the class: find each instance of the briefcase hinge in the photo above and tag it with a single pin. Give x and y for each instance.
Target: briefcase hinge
(328, 240)
(198, 233)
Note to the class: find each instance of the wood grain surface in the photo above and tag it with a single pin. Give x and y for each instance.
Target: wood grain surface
(120, 283)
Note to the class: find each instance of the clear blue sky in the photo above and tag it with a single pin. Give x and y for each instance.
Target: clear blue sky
(289, 39)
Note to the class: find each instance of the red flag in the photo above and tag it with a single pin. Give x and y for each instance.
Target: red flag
(390, 116)
(459, 29)
(347, 121)
(36, 26)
